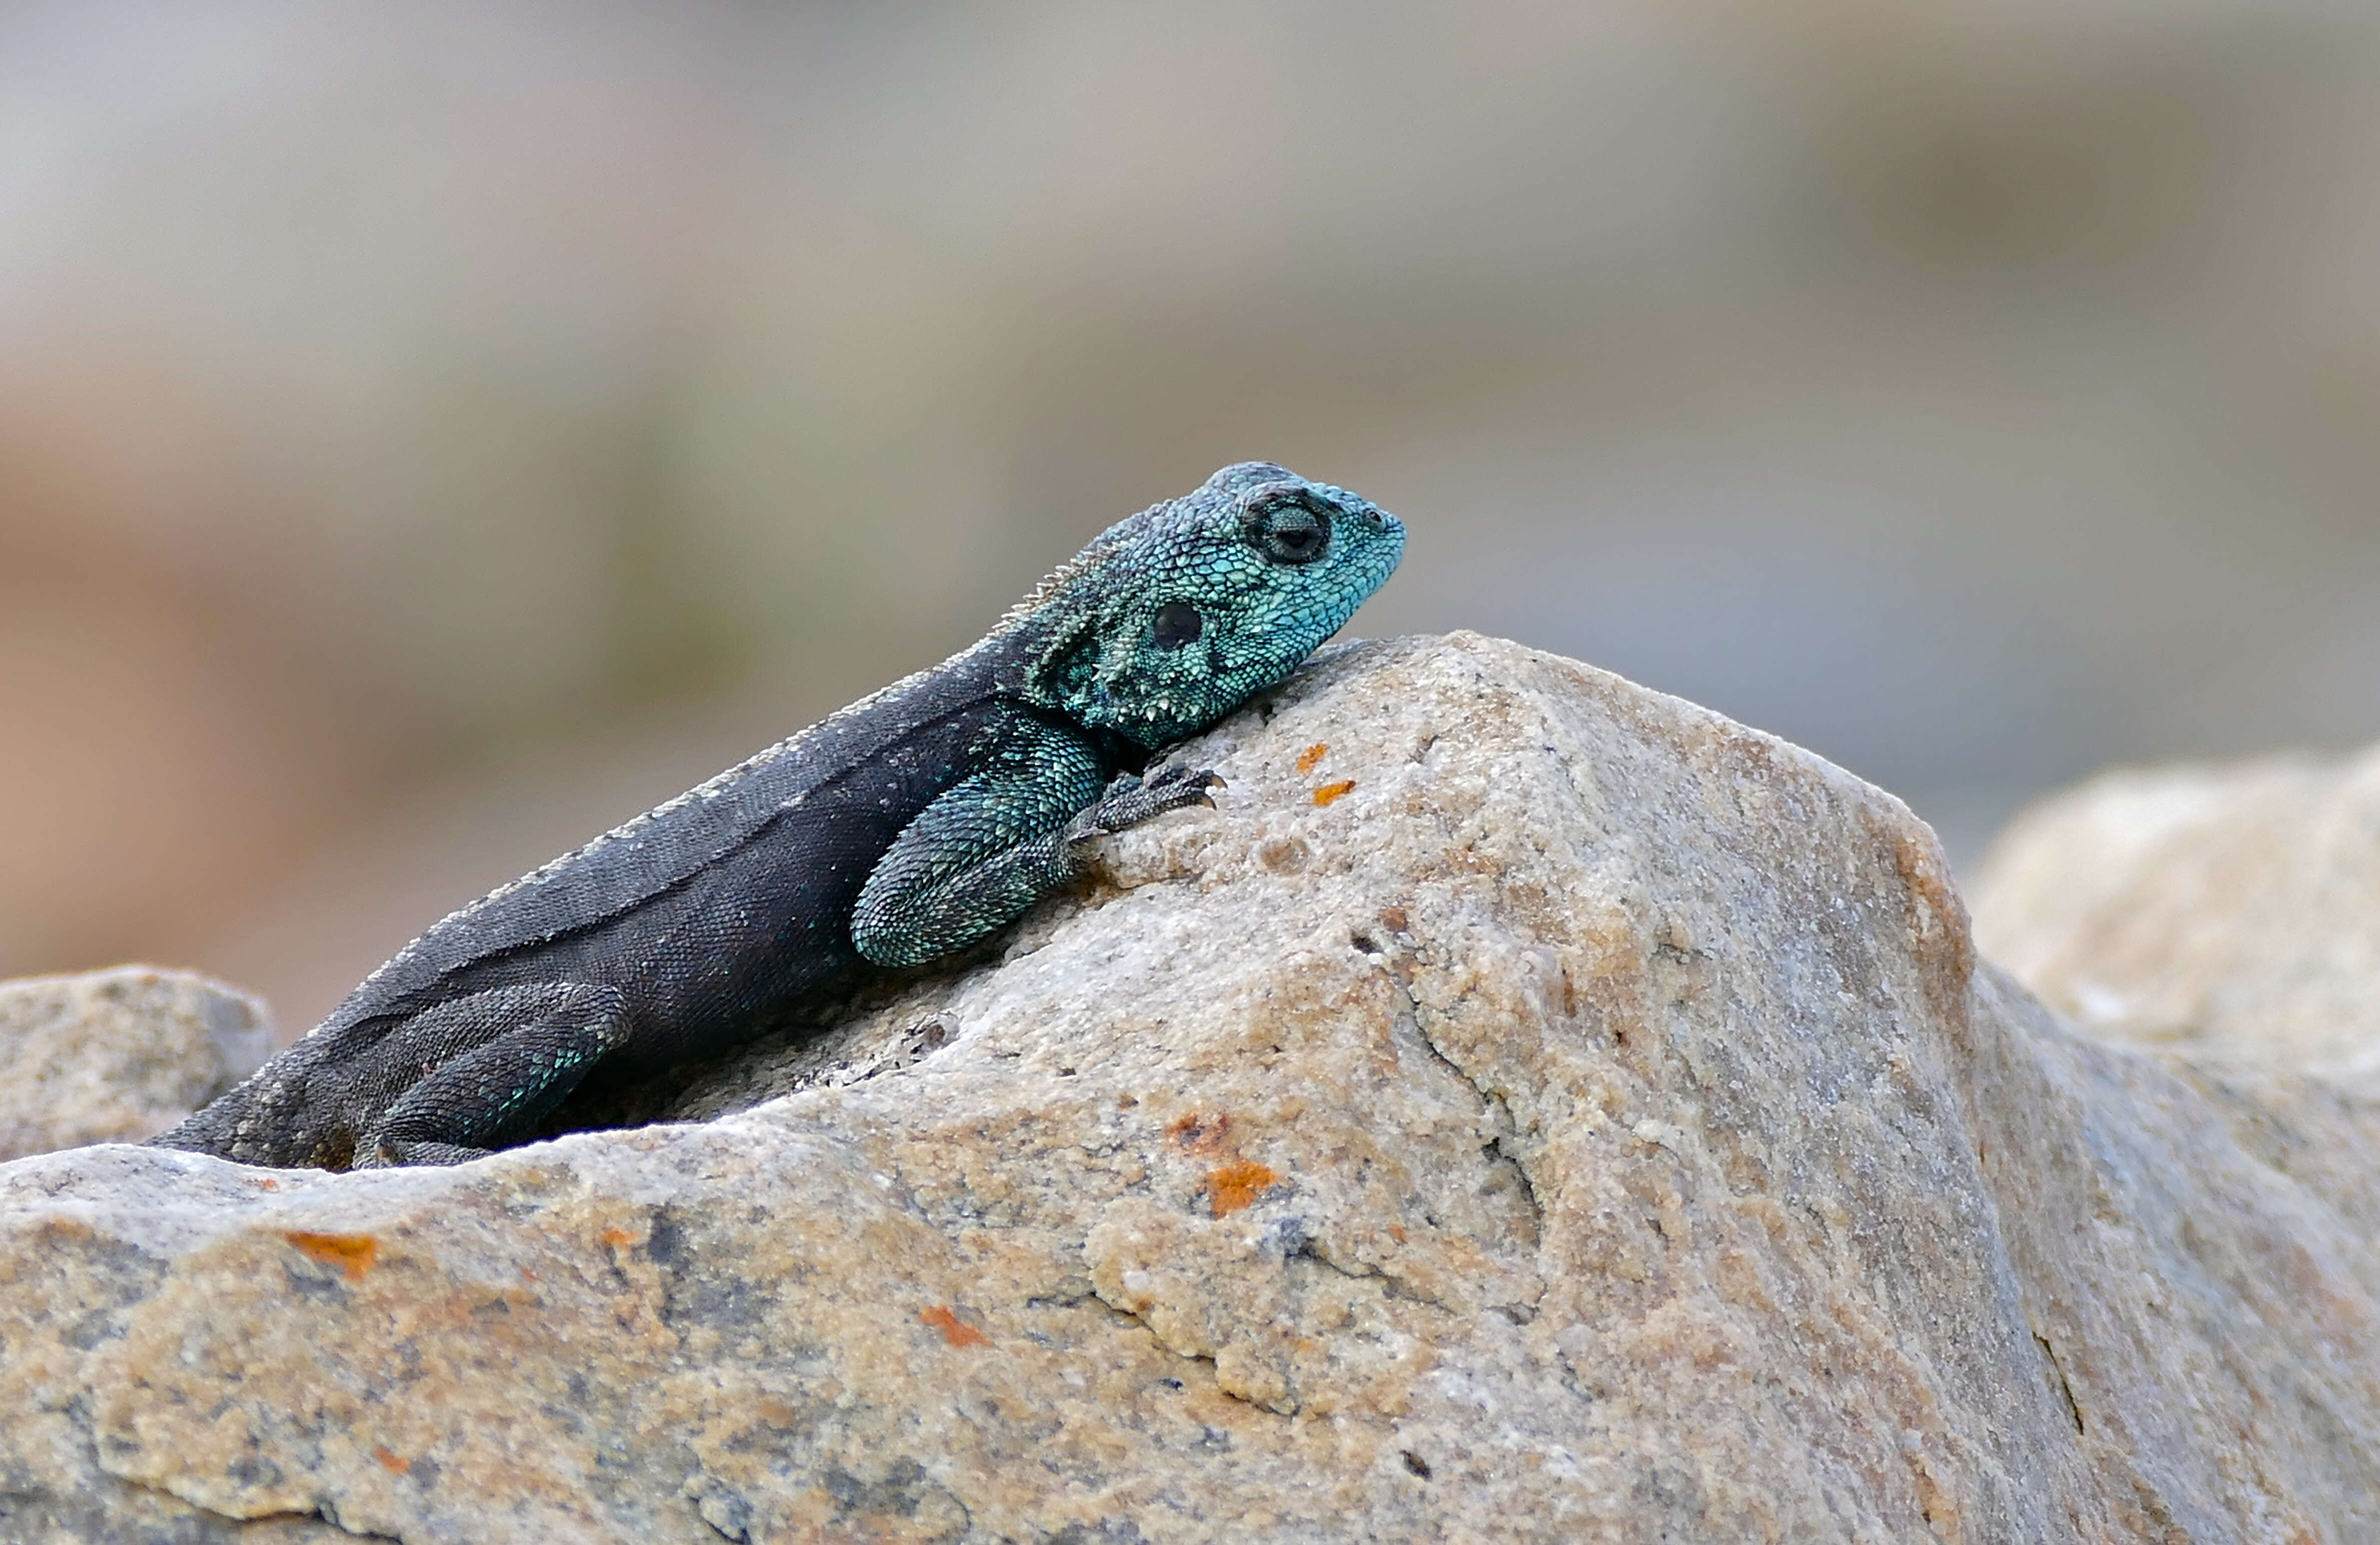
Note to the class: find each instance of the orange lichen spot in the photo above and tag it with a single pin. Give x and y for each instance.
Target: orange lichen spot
(618, 1238)
(1329, 792)
(1200, 1133)
(955, 1332)
(1237, 1186)
(1312, 754)
(1397, 1232)
(1393, 919)
(268, 1184)
(394, 1464)
(351, 1253)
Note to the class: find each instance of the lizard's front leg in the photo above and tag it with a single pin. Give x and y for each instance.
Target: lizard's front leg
(490, 1067)
(995, 843)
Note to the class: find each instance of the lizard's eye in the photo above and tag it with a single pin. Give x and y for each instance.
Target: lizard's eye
(1178, 623)
(1288, 529)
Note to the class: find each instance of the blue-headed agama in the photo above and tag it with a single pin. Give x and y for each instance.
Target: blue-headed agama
(908, 826)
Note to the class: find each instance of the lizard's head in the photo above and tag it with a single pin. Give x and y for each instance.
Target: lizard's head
(1178, 615)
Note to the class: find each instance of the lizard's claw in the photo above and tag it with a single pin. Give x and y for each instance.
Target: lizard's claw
(1185, 785)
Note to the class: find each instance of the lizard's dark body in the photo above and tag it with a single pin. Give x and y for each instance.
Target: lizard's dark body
(902, 828)
(778, 848)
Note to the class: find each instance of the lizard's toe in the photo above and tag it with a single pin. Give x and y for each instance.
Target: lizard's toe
(1179, 780)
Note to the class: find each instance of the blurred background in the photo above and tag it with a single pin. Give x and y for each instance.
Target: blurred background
(430, 433)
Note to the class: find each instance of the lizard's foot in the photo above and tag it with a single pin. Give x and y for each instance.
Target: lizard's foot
(1132, 799)
(535, 1042)
(396, 1150)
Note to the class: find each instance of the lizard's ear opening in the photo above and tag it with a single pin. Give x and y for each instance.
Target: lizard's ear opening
(1177, 623)
(1287, 525)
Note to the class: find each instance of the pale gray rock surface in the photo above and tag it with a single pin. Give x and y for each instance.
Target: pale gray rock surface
(1531, 1108)
(118, 1055)
(2230, 911)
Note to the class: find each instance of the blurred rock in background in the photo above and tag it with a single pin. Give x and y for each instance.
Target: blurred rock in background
(430, 433)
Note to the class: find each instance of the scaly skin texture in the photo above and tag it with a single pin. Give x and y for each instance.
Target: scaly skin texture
(909, 826)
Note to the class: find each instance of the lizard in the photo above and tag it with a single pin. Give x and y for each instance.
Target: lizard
(908, 826)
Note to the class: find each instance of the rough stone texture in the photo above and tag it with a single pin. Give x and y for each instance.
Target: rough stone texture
(1531, 1109)
(116, 1056)
(2233, 911)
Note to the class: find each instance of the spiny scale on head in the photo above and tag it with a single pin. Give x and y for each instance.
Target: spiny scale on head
(1239, 476)
(1074, 568)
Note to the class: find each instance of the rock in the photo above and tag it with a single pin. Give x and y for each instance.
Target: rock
(2234, 911)
(116, 1056)
(1531, 1108)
